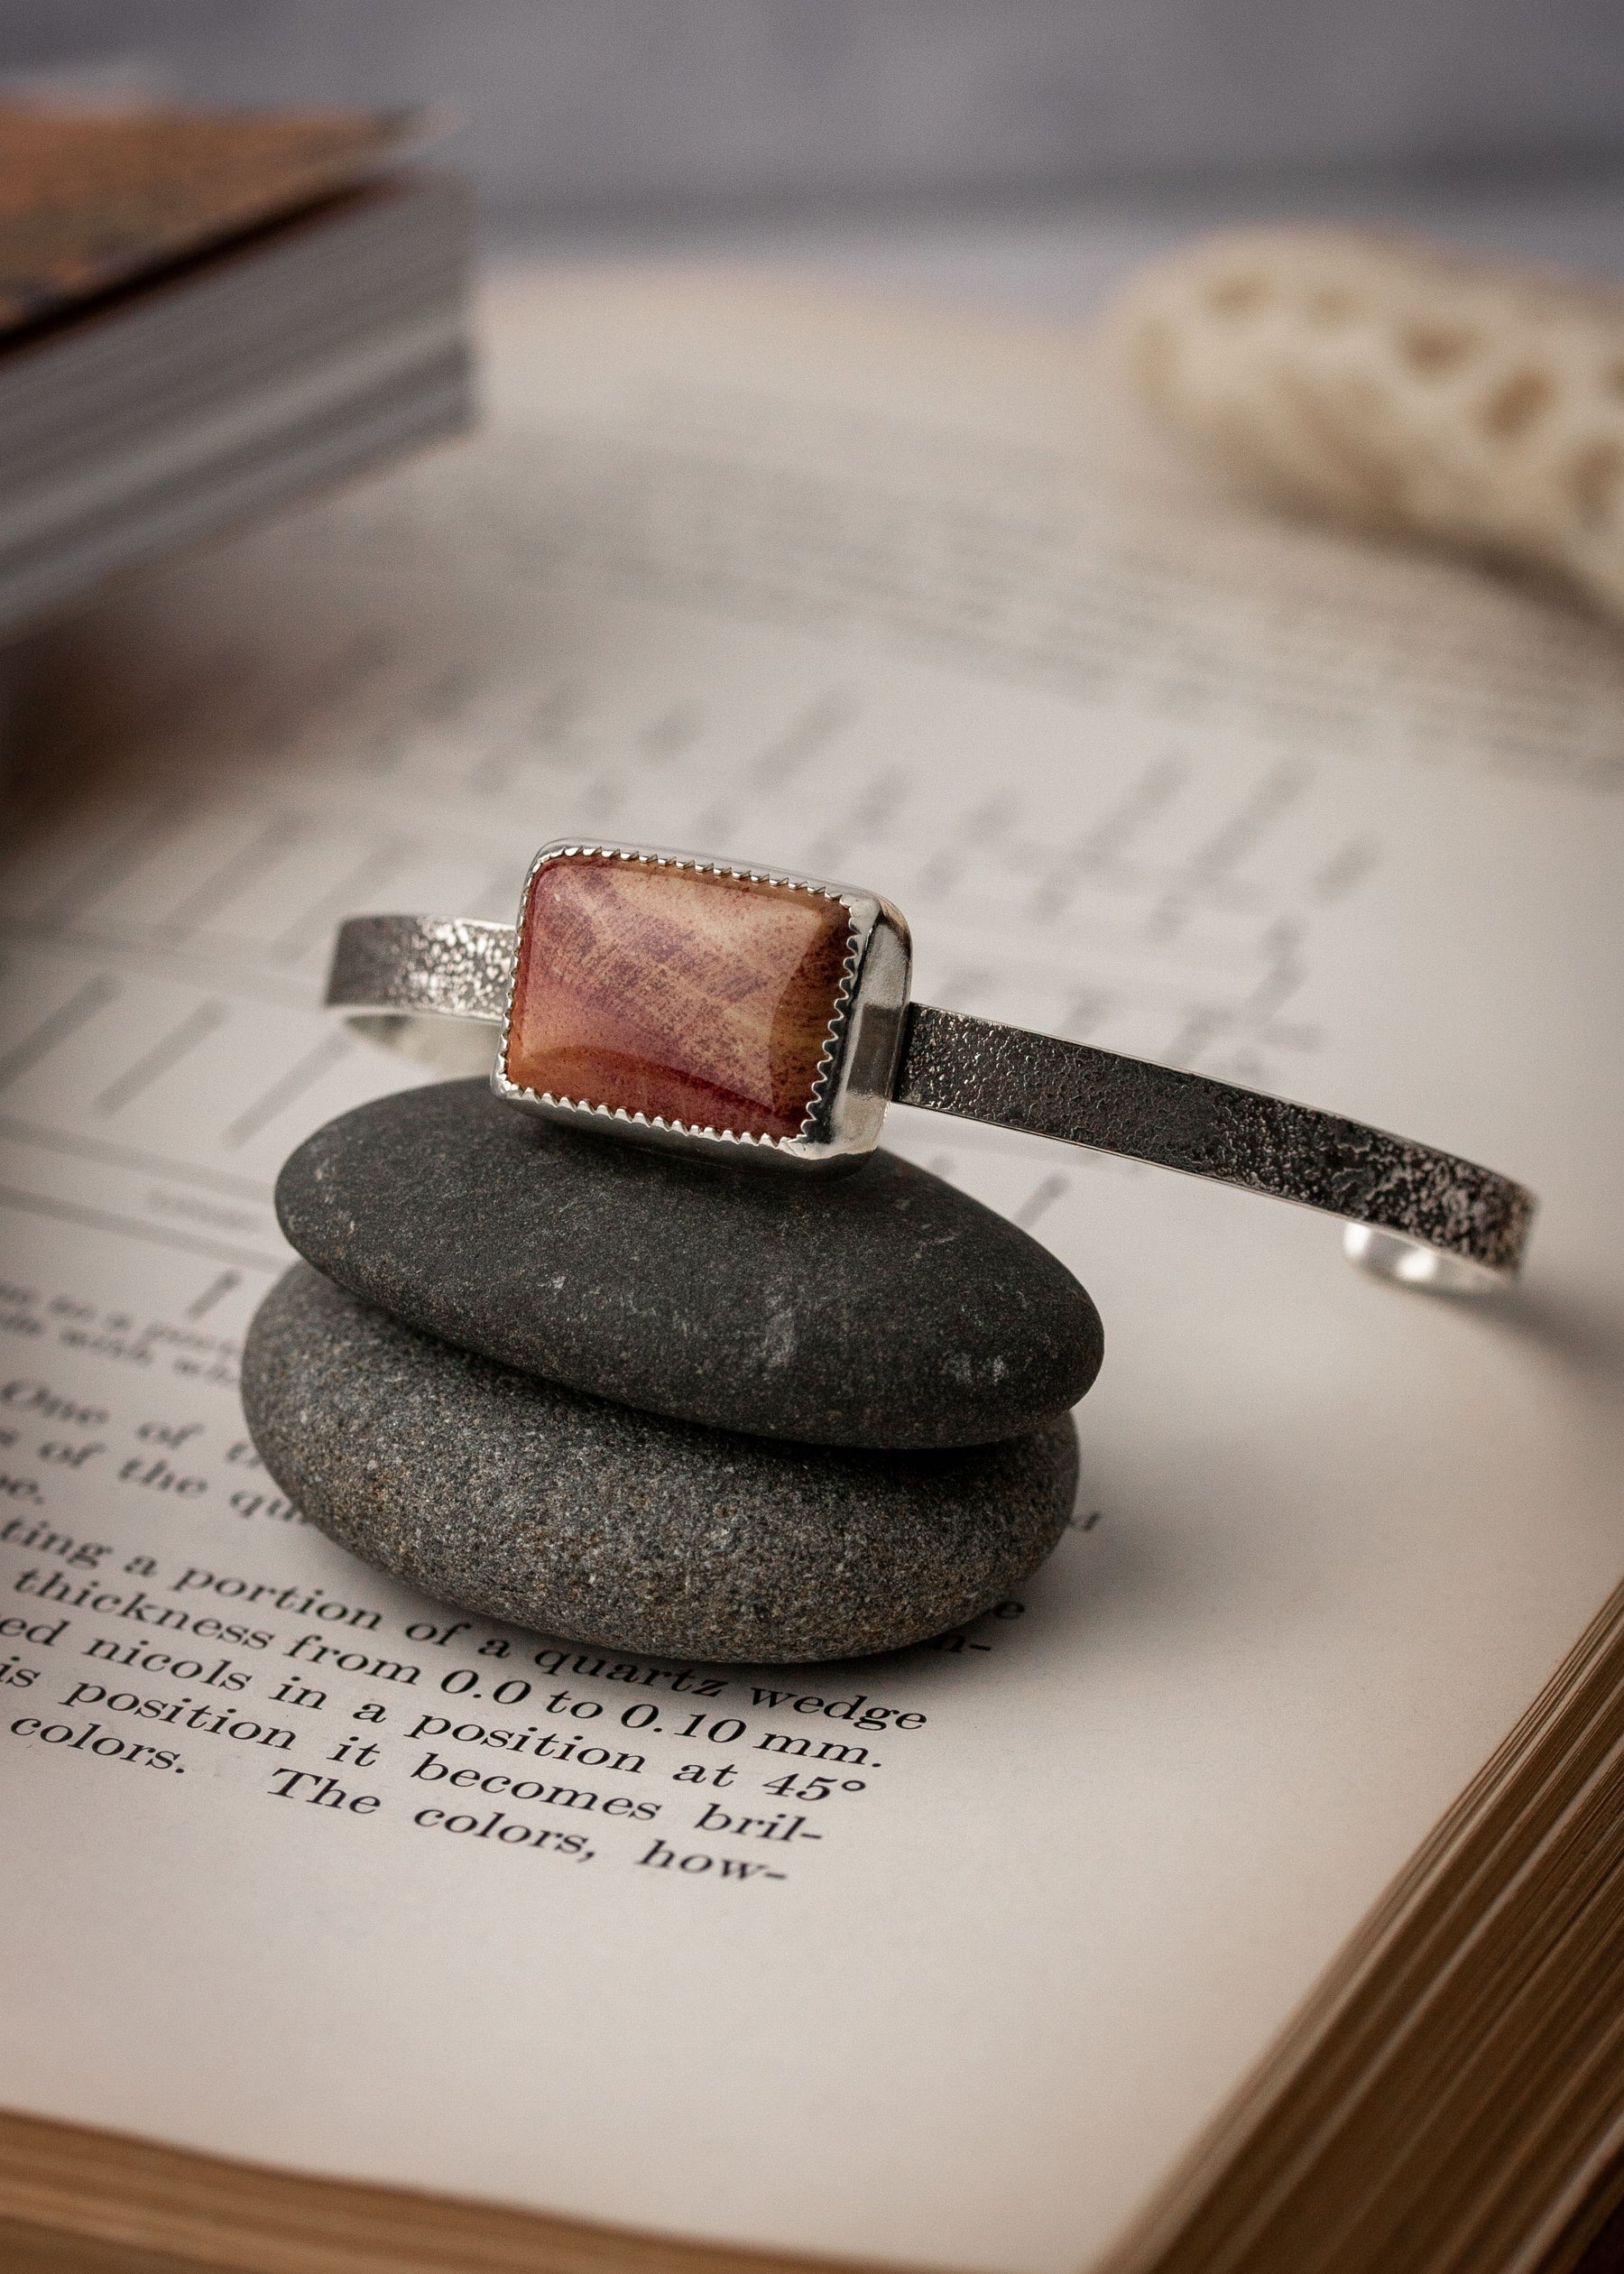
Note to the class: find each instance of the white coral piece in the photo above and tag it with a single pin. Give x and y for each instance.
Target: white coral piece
(1397, 384)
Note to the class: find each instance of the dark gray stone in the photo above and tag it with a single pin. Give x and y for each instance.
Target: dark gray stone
(600, 1524)
(882, 1307)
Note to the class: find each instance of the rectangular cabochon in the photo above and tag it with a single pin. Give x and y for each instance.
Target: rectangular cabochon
(698, 997)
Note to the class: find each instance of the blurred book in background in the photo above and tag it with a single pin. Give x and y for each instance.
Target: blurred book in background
(201, 316)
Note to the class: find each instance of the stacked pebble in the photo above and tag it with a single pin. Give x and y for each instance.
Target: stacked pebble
(659, 1403)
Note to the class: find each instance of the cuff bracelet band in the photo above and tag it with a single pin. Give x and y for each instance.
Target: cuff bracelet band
(718, 1008)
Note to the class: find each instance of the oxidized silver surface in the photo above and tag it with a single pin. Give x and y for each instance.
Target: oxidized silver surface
(952, 1064)
(448, 967)
(1421, 1216)
(403, 979)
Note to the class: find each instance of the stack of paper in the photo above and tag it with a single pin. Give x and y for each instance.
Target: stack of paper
(200, 317)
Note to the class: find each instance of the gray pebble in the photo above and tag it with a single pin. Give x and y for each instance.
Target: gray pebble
(882, 1307)
(597, 1523)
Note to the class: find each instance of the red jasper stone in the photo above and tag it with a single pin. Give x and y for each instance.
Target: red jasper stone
(703, 999)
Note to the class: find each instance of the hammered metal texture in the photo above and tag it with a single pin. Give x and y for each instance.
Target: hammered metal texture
(453, 967)
(952, 1064)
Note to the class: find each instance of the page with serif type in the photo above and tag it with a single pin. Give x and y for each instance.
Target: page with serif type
(915, 603)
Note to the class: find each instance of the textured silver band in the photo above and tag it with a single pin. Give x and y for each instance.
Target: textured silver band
(1413, 1213)
(1376, 1183)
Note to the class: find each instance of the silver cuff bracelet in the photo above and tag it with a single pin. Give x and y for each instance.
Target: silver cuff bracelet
(718, 1008)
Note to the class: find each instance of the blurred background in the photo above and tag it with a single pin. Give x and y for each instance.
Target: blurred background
(1022, 146)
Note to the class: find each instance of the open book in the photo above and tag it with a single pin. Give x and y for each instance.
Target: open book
(1244, 1897)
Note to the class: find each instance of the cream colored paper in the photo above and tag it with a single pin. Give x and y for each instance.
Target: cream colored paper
(891, 598)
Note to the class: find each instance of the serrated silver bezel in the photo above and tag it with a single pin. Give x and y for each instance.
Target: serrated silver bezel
(846, 1110)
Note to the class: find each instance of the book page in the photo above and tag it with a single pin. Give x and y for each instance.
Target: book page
(901, 600)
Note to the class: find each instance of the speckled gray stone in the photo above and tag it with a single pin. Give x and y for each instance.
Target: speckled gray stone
(601, 1524)
(882, 1307)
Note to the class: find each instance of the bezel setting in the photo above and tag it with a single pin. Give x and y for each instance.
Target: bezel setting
(845, 1109)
